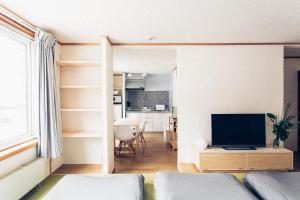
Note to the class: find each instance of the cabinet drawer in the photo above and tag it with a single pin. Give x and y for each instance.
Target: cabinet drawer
(270, 161)
(215, 161)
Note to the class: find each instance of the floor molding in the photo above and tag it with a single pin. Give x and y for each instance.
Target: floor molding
(187, 168)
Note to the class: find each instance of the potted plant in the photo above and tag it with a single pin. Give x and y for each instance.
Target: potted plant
(281, 126)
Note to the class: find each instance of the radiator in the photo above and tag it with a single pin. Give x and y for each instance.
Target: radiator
(16, 184)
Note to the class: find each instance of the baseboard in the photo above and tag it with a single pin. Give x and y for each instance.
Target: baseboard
(187, 168)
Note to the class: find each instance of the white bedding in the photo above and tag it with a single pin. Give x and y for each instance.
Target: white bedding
(214, 186)
(79, 187)
(275, 186)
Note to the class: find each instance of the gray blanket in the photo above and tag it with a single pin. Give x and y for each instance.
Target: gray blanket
(79, 187)
(214, 186)
(275, 186)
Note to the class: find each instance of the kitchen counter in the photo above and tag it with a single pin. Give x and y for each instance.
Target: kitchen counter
(150, 111)
(156, 120)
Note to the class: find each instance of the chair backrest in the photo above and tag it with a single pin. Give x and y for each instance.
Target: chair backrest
(124, 132)
(142, 125)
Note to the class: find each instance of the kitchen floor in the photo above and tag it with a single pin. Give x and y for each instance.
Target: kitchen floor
(157, 156)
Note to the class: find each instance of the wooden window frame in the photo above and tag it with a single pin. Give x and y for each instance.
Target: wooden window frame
(21, 143)
(18, 148)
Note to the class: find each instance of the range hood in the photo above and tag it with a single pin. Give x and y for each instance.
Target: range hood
(135, 82)
(135, 85)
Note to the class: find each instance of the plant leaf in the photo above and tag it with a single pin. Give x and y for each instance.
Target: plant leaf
(271, 116)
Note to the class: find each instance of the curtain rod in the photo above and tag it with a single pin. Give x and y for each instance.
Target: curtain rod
(17, 22)
(12, 15)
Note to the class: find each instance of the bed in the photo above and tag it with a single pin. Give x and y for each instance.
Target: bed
(274, 186)
(214, 186)
(79, 187)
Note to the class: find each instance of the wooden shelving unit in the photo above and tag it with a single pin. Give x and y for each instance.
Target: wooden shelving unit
(80, 87)
(81, 134)
(173, 132)
(80, 110)
(81, 103)
(84, 79)
(81, 63)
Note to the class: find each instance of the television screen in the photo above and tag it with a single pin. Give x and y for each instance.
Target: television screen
(238, 130)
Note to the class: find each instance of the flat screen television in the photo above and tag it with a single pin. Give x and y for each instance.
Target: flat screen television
(238, 130)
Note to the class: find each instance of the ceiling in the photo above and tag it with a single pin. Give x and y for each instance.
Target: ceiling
(138, 60)
(129, 21)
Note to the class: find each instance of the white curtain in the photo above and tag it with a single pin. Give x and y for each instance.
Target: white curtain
(50, 140)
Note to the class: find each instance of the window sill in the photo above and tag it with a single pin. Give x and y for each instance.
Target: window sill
(9, 152)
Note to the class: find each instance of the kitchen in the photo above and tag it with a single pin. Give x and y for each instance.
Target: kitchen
(144, 91)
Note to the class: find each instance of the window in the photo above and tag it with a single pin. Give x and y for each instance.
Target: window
(15, 87)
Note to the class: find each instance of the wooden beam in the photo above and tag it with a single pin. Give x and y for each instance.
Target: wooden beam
(79, 43)
(9, 152)
(204, 43)
(291, 57)
(17, 25)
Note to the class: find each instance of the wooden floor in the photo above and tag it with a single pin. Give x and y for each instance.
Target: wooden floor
(157, 156)
(79, 169)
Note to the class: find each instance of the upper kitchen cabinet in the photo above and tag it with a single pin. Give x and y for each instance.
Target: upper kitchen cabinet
(158, 82)
(118, 81)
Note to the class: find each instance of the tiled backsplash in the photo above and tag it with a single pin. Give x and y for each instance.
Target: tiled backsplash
(141, 98)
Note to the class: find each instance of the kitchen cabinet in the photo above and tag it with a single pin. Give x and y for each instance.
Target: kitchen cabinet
(135, 115)
(148, 119)
(118, 81)
(155, 121)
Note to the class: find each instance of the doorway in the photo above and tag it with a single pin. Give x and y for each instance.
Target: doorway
(145, 101)
(291, 91)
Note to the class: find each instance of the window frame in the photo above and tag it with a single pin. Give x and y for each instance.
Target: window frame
(32, 86)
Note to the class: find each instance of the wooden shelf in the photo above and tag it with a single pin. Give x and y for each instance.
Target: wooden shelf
(265, 159)
(80, 110)
(71, 63)
(81, 134)
(80, 86)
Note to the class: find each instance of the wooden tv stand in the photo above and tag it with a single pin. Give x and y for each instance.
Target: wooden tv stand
(218, 159)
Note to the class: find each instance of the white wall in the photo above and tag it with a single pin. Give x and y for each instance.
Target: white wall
(108, 132)
(11, 164)
(224, 79)
(158, 82)
(143, 59)
(291, 68)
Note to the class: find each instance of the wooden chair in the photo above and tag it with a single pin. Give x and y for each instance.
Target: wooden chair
(140, 134)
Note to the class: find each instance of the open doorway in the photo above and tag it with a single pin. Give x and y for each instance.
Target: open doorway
(291, 96)
(144, 109)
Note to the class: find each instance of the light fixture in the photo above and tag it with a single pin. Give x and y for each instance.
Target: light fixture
(150, 37)
(144, 74)
(129, 75)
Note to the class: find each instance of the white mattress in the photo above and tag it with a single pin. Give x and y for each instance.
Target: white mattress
(214, 186)
(79, 187)
(275, 186)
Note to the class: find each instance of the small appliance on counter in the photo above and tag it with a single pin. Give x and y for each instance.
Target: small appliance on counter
(160, 107)
(117, 99)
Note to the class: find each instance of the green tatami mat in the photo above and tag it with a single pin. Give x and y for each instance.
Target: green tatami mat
(50, 182)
